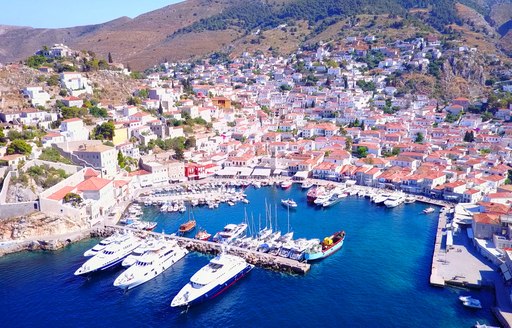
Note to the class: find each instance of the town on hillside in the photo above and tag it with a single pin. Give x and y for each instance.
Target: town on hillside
(333, 112)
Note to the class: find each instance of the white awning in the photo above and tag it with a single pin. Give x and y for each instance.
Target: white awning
(245, 171)
(301, 174)
(261, 172)
(227, 171)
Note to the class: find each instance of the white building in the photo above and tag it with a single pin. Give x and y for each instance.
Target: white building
(37, 96)
(75, 83)
(73, 129)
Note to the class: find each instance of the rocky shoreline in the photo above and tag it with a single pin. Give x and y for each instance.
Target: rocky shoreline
(39, 231)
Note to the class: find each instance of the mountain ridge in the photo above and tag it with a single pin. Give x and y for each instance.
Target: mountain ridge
(197, 27)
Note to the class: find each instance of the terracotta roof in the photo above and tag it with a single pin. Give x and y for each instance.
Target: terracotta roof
(74, 119)
(120, 183)
(59, 194)
(138, 172)
(89, 173)
(486, 218)
(92, 184)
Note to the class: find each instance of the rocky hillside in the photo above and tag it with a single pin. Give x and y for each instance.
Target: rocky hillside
(197, 27)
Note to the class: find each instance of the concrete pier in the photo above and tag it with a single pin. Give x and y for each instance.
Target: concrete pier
(263, 260)
(435, 278)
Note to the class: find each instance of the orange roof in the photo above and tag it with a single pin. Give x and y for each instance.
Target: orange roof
(59, 194)
(486, 218)
(89, 173)
(138, 172)
(92, 184)
(74, 119)
(120, 183)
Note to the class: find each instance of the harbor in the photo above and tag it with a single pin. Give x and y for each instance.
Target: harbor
(386, 263)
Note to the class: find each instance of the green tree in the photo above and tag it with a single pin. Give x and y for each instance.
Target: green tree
(53, 80)
(348, 144)
(53, 155)
(105, 131)
(19, 146)
(179, 154)
(419, 138)
(110, 61)
(362, 151)
(509, 177)
(98, 112)
(190, 142)
(469, 136)
(144, 93)
(134, 101)
(487, 116)
(121, 160)
(72, 198)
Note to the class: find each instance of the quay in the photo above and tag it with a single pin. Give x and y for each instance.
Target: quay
(263, 260)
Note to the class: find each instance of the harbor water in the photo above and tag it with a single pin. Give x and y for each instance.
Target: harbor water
(379, 279)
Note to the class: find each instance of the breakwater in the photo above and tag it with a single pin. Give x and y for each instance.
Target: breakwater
(263, 260)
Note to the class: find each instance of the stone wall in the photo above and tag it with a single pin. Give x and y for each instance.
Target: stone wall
(18, 209)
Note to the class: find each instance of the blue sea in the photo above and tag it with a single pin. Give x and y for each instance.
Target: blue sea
(379, 279)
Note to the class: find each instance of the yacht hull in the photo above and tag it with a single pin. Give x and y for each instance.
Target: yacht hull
(217, 289)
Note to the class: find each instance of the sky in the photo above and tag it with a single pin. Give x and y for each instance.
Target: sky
(60, 13)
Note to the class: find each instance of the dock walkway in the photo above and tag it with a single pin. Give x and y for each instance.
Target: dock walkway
(264, 260)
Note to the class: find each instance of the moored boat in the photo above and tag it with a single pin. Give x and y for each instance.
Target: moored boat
(327, 247)
(429, 210)
(394, 200)
(150, 265)
(306, 184)
(410, 199)
(203, 235)
(286, 184)
(230, 232)
(290, 203)
(212, 279)
(315, 192)
(104, 243)
(187, 226)
(334, 199)
(112, 255)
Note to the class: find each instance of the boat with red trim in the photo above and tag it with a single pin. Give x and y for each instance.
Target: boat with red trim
(203, 235)
(314, 193)
(212, 279)
(327, 247)
(286, 184)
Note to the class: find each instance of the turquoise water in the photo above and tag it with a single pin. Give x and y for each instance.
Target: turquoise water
(379, 278)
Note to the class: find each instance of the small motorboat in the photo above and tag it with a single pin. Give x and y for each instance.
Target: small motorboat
(290, 203)
(286, 184)
(429, 210)
(307, 184)
(470, 302)
(483, 325)
(203, 235)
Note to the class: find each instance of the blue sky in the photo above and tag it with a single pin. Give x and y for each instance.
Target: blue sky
(60, 13)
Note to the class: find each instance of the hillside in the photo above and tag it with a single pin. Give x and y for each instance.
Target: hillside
(197, 27)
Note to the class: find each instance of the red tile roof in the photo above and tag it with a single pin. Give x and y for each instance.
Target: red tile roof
(92, 184)
(59, 194)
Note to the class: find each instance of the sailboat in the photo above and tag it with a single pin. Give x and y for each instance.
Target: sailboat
(189, 225)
